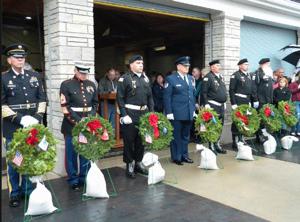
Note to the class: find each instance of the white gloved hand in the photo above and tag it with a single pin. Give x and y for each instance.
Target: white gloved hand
(194, 114)
(197, 106)
(234, 106)
(126, 120)
(170, 116)
(225, 105)
(255, 105)
(28, 121)
(207, 106)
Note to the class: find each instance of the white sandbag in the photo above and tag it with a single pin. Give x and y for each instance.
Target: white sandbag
(156, 173)
(149, 159)
(244, 152)
(270, 144)
(40, 201)
(208, 158)
(95, 183)
(287, 142)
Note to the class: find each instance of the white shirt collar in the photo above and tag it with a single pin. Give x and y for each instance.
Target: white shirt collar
(22, 71)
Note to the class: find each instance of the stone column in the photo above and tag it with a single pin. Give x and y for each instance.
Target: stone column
(222, 41)
(69, 37)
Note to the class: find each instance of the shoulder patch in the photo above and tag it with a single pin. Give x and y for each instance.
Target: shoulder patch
(205, 79)
(232, 77)
(121, 79)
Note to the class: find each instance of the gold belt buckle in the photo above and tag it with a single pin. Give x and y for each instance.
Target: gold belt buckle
(28, 106)
(85, 109)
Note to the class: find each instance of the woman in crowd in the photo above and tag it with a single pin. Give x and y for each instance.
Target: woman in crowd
(157, 91)
(282, 92)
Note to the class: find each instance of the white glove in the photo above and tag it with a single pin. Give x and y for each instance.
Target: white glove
(225, 105)
(170, 116)
(194, 114)
(234, 106)
(207, 106)
(197, 106)
(255, 105)
(28, 121)
(125, 120)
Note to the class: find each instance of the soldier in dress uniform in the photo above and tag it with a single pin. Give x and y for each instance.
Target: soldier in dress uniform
(179, 103)
(78, 99)
(23, 104)
(214, 96)
(241, 91)
(264, 85)
(134, 98)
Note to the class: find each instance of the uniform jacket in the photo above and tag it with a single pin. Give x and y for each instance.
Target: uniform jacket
(26, 90)
(75, 93)
(213, 88)
(137, 91)
(264, 86)
(179, 97)
(240, 83)
(158, 97)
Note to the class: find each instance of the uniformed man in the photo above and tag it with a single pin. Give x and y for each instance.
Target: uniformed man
(179, 103)
(78, 99)
(241, 90)
(134, 98)
(214, 96)
(23, 104)
(264, 85)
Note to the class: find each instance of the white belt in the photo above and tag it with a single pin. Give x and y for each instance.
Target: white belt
(241, 95)
(215, 102)
(81, 109)
(135, 107)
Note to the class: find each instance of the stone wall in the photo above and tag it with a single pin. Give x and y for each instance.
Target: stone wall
(69, 37)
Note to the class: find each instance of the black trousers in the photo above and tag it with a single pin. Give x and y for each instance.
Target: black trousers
(133, 147)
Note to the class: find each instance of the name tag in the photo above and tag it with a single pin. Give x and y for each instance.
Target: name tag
(178, 85)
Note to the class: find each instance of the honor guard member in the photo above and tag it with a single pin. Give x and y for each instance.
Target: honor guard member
(214, 96)
(179, 103)
(134, 98)
(264, 85)
(241, 90)
(78, 99)
(23, 104)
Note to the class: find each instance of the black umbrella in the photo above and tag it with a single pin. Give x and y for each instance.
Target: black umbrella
(292, 54)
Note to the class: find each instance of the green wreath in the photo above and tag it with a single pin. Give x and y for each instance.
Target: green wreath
(288, 111)
(93, 137)
(208, 125)
(270, 117)
(155, 130)
(33, 150)
(246, 120)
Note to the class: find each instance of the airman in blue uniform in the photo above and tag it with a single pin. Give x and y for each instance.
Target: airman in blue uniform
(179, 103)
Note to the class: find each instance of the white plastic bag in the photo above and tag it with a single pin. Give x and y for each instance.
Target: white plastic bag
(244, 152)
(149, 159)
(95, 183)
(270, 144)
(40, 201)
(208, 158)
(287, 142)
(156, 173)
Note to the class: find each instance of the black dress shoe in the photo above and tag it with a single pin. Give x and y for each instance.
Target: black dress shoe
(130, 170)
(14, 201)
(178, 162)
(187, 160)
(75, 186)
(140, 168)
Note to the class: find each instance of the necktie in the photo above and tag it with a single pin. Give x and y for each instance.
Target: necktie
(185, 79)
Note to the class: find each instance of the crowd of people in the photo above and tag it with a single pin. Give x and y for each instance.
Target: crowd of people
(178, 95)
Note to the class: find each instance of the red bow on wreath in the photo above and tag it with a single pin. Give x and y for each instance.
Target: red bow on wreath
(93, 126)
(206, 116)
(244, 118)
(32, 139)
(153, 121)
(268, 111)
(287, 108)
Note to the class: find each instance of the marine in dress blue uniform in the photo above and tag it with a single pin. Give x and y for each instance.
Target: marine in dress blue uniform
(23, 104)
(214, 96)
(78, 99)
(179, 104)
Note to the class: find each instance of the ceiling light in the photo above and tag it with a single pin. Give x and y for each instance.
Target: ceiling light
(28, 17)
(160, 48)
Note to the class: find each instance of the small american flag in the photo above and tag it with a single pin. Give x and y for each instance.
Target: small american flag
(18, 159)
(82, 139)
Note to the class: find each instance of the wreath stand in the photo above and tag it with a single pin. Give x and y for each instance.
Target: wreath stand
(28, 218)
(113, 193)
